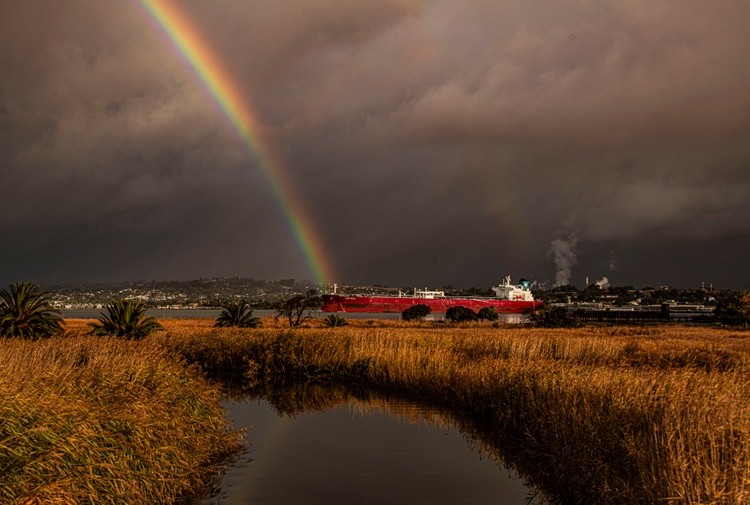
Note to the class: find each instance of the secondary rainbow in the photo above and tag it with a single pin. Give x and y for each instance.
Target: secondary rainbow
(239, 112)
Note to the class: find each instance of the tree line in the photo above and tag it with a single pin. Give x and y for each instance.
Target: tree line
(26, 312)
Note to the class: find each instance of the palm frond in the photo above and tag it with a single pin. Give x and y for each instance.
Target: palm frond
(334, 320)
(126, 319)
(238, 314)
(25, 311)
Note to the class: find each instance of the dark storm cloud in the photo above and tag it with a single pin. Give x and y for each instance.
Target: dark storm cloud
(434, 142)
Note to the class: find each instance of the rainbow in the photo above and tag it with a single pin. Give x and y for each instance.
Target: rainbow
(239, 112)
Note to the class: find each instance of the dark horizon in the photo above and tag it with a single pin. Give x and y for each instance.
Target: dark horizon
(708, 286)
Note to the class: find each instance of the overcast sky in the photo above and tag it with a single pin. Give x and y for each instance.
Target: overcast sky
(432, 142)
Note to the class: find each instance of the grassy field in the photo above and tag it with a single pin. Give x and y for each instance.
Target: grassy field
(656, 414)
(100, 420)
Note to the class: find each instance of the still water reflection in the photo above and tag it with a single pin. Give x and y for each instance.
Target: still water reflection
(353, 451)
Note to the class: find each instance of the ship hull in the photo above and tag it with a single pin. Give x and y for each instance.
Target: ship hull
(362, 303)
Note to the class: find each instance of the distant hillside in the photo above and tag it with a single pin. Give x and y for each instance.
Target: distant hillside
(192, 293)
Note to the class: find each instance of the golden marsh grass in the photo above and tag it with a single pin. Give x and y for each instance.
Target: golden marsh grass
(656, 414)
(604, 415)
(100, 420)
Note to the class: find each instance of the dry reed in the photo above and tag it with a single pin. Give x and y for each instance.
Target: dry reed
(100, 420)
(603, 415)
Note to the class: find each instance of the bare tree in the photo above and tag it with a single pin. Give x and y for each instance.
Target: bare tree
(297, 309)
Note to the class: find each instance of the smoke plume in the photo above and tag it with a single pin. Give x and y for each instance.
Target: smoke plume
(612, 264)
(564, 255)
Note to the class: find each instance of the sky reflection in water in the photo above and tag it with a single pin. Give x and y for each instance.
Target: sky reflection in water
(357, 452)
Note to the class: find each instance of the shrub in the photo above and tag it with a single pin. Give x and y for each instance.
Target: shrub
(460, 314)
(416, 312)
(488, 314)
(733, 309)
(554, 317)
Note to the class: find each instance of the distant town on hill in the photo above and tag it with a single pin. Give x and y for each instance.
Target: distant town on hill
(210, 293)
(198, 293)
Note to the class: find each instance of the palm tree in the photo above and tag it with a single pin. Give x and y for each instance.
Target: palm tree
(25, 311)
(237, 314)
(334, 320)
(126, 318)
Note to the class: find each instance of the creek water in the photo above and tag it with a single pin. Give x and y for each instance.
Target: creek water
(335, 449)
(321, 445)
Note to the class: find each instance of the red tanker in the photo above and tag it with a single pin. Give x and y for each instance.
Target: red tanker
(509, 298)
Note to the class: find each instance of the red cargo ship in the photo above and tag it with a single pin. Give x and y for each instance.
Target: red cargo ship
(509, 298)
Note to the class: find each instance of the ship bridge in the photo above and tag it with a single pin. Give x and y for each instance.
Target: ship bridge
(425, 293)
